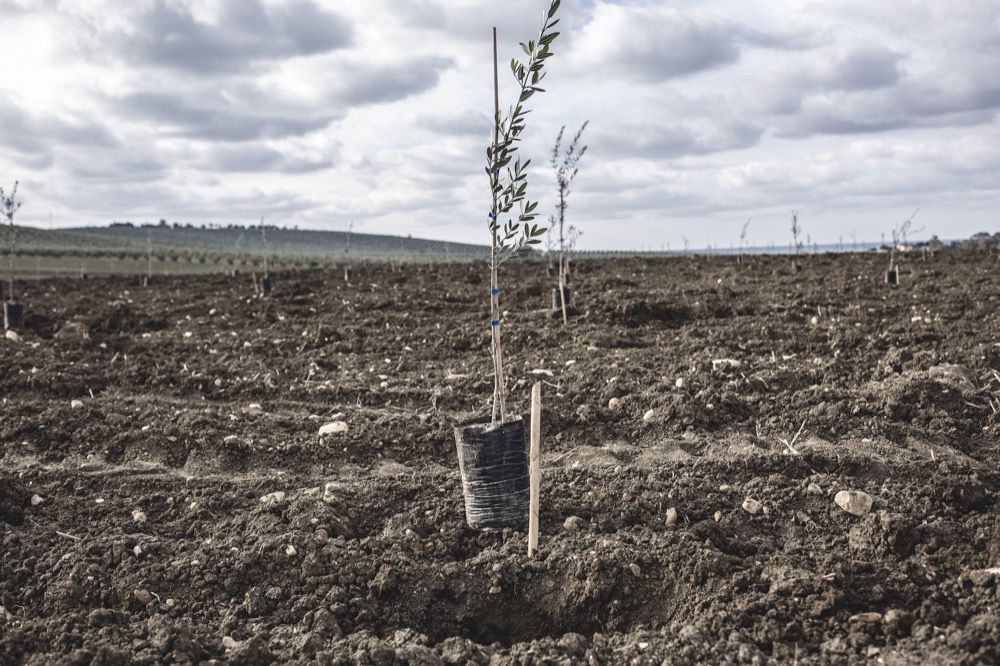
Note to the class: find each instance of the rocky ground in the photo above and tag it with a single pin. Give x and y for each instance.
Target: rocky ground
(192, 474)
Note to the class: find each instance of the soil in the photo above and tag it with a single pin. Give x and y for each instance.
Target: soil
(166, 496)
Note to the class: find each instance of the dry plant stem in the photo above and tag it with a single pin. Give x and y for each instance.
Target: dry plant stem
(535, 473)
(791, 445)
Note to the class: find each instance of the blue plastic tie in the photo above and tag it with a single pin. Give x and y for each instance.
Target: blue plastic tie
(495, 292)
(495, 322)
(495, 170)
(492, 216)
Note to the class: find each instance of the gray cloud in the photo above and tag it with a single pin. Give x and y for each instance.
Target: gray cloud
(247, 32)
(465, 122)
(39, 135)
(653, 44)
(176, 117)
(363, 82)
(668, 141)
(244, 158)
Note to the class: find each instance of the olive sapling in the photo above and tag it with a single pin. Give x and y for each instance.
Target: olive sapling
(508, 183)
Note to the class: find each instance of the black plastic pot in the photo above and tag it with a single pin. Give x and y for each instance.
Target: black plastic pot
(494, 465)
(550, 271)
(146, 280)
(265, 287)
(13, 316)
(348, 274)
(892, 277)
(556, 302)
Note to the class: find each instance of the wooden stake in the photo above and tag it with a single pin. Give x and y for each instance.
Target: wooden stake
(535, 473)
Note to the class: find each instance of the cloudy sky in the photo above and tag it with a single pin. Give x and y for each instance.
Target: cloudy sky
(319, 113)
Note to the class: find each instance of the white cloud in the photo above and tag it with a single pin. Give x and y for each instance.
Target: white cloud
(318, 112)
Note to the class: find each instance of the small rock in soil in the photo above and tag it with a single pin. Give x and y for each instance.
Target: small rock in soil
(36, 500)
(139, 516)
(254, 409)
(752, 506)
(636, 571)
(648, 416)
(854, 502)
(12, 336)
(573, 524)
(671, 516)
(273, 499)
(867, 618)
(717, 516)
(144, 597)
(814, 489)
(333, 428)
(76, 404)
(614, 403)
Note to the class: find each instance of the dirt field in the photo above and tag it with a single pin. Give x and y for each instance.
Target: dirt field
(166, 497)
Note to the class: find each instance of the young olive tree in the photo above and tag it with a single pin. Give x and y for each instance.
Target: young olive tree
(564, 164)
(796, 239)
(9, 205)
(509, 184)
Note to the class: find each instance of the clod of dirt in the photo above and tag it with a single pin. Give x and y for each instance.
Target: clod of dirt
(13, 499)
(956, 375)
(854, 502)
(36, 500)
(144, 597)
(573, 524)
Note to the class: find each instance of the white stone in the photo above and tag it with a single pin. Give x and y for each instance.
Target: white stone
(290, 550)
(254, 409)
(671, 516)
(36, 500)
(614, 403)
(76, 404)
(726, 364)
(648, 416)
(752, 506)
(274, 498)
(854, 502)
(573, 524)
(636, 571)
(12, 336)
(679, 383)
(139, 516)
(333, 428)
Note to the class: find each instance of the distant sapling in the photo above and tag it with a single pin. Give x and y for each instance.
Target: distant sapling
(9, 205)
(796, 240)
(743, 240)
(899, 234)
(508, 183)
(564, 164)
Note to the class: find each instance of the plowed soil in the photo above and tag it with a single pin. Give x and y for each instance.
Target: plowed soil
(166, 496)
